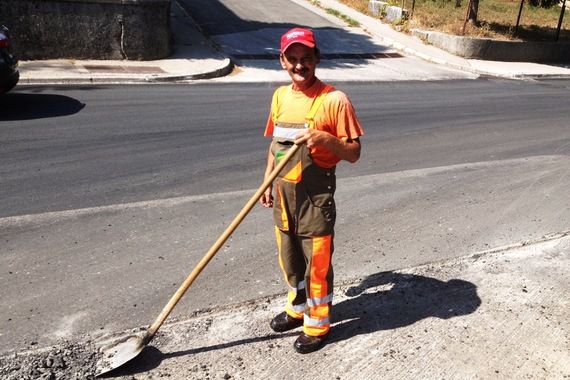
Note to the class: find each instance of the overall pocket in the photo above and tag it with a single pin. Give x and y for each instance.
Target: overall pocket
(317, 211)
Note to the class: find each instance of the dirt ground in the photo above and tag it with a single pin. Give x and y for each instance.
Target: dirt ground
(500, 314)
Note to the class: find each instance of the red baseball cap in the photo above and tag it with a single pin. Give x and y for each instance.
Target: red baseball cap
(298, 35)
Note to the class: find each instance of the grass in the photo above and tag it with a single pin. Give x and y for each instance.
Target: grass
(496, 18)
(349, 20)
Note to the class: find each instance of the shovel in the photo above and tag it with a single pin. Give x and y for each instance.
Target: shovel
(129, 347)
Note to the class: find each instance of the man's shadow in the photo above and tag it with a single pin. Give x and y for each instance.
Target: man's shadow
(388, 300)
(383, 301)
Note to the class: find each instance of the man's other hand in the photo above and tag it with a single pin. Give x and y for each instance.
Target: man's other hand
(266, 199)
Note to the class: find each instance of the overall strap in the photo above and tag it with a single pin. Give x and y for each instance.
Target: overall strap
(314, 107)
(309, 119)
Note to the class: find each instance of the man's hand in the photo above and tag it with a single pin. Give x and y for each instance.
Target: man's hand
(312, 137)
(348, 150)
(266, 199)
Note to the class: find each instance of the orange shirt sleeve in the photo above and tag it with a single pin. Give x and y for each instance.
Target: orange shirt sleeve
(343, 116)
(338, 118)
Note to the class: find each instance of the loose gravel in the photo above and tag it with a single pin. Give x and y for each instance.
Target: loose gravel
(69, 361)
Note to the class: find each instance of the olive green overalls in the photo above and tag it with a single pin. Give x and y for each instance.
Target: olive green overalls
(304, 215)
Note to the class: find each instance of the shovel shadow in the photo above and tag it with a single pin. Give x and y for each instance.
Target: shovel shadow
(389, 300)
(151, 357)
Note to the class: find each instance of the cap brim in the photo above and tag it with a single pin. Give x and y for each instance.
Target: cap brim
(308, 44)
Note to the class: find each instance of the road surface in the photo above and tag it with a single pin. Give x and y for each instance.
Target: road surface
(110, 195)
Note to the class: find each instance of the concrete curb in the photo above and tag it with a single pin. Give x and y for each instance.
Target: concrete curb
(224, 69)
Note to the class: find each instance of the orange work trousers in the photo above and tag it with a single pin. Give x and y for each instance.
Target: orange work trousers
(306, 265)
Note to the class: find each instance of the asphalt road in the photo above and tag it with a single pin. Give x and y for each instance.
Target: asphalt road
(74, 147)
(110, 195)
(236, 16)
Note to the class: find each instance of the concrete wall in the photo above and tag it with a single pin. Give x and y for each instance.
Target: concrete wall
(497, 50)
(389, 13)
(88, 29)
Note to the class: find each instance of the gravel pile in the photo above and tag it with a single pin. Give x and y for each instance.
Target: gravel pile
(68, 361)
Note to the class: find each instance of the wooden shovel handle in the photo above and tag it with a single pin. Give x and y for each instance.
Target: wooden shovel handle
(218, 244)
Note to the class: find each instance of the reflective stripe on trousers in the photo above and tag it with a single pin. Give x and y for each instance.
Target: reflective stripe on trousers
(306, 265)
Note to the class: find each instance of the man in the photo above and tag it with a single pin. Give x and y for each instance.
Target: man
(323, 122)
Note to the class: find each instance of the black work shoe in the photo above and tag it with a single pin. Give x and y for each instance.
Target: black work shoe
(284, 322)
(306, 343)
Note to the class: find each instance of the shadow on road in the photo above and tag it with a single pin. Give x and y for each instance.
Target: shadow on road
(151, 357)
(20, 106)
(389, 300)
(383, 301)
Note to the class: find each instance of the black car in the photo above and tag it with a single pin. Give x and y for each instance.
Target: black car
(9, 74)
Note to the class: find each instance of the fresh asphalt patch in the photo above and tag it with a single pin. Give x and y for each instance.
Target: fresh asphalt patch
(495, 314)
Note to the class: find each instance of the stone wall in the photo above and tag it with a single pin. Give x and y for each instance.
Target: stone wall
(88, 29)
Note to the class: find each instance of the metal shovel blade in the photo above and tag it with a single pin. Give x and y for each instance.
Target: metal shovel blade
(119, 353)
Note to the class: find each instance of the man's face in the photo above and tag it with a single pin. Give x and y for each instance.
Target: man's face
(300, 61)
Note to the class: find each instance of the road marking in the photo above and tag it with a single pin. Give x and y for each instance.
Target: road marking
(21, 220)
(53, 216)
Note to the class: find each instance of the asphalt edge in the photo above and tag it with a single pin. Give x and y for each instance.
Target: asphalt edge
(103, 339)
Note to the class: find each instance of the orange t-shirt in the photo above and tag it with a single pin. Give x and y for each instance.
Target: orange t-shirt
(336, 116)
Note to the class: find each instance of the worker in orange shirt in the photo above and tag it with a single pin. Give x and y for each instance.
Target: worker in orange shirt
(322, 120)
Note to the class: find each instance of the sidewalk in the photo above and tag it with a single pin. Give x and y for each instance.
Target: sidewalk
(195, 57)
